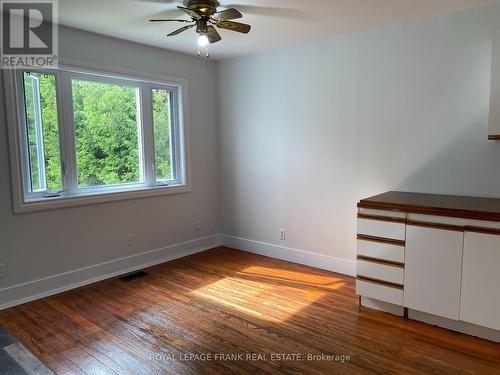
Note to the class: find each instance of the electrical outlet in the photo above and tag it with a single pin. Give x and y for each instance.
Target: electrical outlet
(3, 271)
(282, 234)
(197, 225)
(131, 240)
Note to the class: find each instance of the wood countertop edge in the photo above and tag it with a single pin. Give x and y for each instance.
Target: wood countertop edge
(430, 210)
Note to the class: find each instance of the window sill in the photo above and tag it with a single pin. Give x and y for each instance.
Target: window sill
(54, 203)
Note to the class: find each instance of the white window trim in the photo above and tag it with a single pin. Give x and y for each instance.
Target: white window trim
(22, 203)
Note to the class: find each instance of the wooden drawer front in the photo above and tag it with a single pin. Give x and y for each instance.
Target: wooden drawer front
(381, 229)
(380, 292)
(380, 250)
(382, 272)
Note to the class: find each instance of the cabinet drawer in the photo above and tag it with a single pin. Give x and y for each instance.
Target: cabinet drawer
(378, 271)
(380, 292)
(381, 250)
(381, 228)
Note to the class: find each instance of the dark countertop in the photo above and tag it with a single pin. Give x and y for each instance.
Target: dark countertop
(433, 204)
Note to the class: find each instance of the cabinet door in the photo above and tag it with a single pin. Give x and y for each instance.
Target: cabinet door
(480, 302)
(433, 270)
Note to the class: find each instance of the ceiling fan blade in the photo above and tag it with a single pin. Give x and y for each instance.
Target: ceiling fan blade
(213, 35)
(234, 26)
(227, 14)
(190, 12)
(178, 31)
(169, 20)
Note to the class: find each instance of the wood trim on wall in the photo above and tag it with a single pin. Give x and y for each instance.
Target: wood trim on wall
(426, 224)
(380, 282)
(389, 241)
(494, 137)
(381, 218)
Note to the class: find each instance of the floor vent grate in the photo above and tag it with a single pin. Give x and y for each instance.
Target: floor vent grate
(134, 276)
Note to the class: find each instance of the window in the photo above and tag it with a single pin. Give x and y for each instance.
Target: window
(107, 133)
(163, 133)
(84, 134)
(42, 132)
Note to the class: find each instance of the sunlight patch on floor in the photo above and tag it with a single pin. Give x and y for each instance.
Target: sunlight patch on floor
(260, 292)
(311, 279)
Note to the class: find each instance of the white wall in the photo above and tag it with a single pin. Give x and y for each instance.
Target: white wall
(39, 245)
(305, 132)
(308, 131)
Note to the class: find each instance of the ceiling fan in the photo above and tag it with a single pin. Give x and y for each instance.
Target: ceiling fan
(205, 16)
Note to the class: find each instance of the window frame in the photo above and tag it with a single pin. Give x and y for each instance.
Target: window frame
(73, 195)
(39, 138)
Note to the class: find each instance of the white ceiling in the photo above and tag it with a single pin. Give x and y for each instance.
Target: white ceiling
(275, 23)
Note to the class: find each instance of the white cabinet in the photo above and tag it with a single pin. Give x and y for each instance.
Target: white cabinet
(433, 270)
(480, 303)
(494, 131)
(434, 258)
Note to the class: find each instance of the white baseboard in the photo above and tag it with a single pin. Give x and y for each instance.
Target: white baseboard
(339, 265)
(47, 286)
(36, 289)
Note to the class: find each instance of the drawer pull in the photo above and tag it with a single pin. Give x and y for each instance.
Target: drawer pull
(390, 241)
(493, 231)
(382, 218)
(381, 261)
(380, 282)
(426, 224)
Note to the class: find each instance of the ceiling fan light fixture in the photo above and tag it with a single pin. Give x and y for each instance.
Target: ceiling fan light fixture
(203, 40)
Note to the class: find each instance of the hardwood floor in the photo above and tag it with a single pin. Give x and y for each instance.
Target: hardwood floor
(224, 302)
